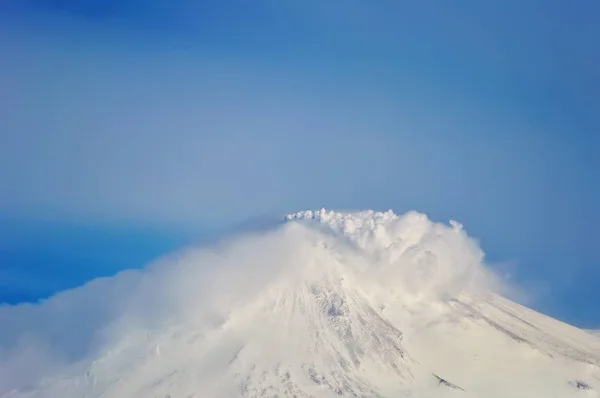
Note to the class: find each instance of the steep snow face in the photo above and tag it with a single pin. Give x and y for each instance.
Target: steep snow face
(324, 339)
(330, 304)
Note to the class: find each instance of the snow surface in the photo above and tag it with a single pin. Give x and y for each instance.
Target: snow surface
(329, 304)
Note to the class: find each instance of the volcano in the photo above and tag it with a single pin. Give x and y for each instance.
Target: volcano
(326, 304)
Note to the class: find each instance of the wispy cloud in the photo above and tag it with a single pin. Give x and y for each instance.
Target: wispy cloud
(200, 287)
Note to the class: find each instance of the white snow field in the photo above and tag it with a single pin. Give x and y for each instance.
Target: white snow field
(327, 304)
(594, 332)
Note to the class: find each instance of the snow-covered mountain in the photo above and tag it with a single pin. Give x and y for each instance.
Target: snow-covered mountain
(328, 304)
(594, 332)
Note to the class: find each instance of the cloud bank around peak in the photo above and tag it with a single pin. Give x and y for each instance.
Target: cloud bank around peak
(406, 254)
(413, 253)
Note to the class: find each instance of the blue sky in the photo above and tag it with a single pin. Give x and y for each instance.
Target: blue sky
(130, 128)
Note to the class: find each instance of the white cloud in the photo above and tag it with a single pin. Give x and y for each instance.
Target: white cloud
(406, 255)
(414, 254)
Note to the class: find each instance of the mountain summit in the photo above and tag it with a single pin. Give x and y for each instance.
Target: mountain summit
(328, 304)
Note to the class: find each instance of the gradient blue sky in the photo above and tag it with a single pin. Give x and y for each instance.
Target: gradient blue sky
(130, 128)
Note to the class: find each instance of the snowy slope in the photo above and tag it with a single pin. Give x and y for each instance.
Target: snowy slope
(351, 304)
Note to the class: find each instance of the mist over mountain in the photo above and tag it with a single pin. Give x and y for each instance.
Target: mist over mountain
(324, 304)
